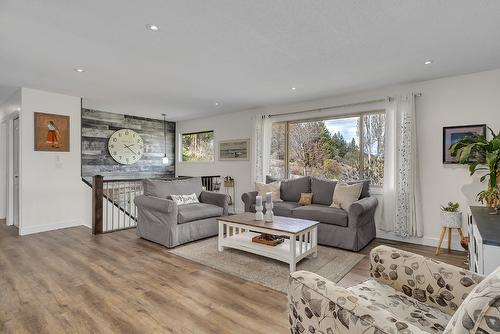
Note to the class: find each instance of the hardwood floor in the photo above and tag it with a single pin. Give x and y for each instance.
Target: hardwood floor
(68, 281)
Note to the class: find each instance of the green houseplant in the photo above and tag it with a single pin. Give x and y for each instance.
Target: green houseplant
(451, 207)
(482, 155)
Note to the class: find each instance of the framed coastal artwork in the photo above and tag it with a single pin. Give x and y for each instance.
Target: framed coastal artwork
(51, 132)
(452, 134)
(234, 150)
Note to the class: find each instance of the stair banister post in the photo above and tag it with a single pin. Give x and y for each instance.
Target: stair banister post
(97, 198)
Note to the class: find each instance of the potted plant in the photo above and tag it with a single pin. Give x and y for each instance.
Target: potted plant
(482, 155)
(228, 181)
(491, 197)
(450, 216)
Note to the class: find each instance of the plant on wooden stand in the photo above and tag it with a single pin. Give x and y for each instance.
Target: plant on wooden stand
(450, 216)
(482, 155)
(228, 181)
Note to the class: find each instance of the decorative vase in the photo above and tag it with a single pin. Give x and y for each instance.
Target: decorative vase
(451, 219)
(494, 203)
(464, 242)
(258, 213)
(268, 217)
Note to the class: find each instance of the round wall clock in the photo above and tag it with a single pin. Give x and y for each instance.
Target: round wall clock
(126, 146)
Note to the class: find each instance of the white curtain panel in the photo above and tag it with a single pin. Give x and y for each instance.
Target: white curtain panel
(262, 134)
(402, 214)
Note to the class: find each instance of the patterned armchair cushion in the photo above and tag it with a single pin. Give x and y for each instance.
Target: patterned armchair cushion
(480, 311)
(431, 282)
(427, 318)
(316, 305)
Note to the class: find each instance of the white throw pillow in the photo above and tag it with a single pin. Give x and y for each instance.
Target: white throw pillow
(344, 195)
(273, 187)
(185, 199)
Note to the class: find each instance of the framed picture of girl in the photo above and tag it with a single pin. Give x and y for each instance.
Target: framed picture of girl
(51, 132)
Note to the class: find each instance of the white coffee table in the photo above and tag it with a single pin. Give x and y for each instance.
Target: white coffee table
(237, 231)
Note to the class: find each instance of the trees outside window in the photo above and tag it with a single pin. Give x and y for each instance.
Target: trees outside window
(330, 148)
(198, 146)
(278, 150)
(373, 147)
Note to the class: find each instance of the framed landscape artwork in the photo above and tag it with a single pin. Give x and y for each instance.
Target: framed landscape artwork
(234, 150)
(452, 134)
(51, 132)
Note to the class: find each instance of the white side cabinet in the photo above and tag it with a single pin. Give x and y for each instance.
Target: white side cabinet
(484, 243)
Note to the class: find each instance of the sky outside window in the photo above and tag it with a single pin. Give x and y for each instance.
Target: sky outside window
(346, 126)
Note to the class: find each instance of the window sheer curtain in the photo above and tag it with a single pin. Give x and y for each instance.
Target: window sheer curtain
(262, 134)
(401, 198)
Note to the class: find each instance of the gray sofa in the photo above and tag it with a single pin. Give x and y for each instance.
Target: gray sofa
(161, 220)
(352, 229)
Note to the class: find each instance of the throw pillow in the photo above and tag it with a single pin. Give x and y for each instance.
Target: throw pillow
(305, 198)
(185, 199)
(273, 187)
(479, 312)
(344, 195)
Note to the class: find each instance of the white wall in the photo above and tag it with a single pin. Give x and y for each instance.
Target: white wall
(227, 126)
(466, 99)
(4, 128)
(8, 110)
(52, 192)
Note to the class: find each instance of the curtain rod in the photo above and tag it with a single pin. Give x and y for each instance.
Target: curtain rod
(336, 107)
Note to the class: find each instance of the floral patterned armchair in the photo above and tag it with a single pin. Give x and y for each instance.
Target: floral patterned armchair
(408, 293)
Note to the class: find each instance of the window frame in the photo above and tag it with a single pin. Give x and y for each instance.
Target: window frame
(195, 161)
(326, 118)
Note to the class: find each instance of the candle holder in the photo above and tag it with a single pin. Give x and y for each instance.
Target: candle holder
(269, 213)
(258, 213)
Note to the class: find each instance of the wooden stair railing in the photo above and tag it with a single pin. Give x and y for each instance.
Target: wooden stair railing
(113, 207)
(97, 198)
(209, 182)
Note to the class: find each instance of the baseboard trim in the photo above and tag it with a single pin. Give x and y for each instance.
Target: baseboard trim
(50, 227)
(426, 241)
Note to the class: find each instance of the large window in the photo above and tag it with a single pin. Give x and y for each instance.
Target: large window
(198, 146)
(277, 164)
(373, 127)
(345, 148)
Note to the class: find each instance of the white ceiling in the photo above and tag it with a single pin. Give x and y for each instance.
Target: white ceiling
(242, 53)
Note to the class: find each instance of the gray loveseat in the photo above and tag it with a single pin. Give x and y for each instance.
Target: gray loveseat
(352, 229)
(161, 220)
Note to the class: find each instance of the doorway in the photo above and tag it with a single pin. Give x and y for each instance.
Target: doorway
(15, 172)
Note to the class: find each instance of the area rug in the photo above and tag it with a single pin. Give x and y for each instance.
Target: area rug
(331, 263)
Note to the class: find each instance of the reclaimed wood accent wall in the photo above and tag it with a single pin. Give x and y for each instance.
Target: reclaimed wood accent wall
(98, 126)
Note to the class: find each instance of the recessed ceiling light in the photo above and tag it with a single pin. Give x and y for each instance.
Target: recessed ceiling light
(216, 104)
(79, 70)
(293, 88)
(428, 62)
(152, 27)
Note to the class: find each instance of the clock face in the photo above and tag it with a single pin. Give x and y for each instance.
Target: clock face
(126, 146)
